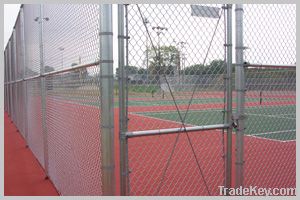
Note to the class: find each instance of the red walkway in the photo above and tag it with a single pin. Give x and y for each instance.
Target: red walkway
(23, 175)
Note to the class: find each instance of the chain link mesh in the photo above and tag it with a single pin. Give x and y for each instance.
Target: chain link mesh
(70, 37)
(33, 87)
(175, 72)
(270, 146)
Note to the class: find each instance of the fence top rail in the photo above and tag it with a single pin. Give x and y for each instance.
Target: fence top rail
(55, 72)
(258, 65)
(71, 68)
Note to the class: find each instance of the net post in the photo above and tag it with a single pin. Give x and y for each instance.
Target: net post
(43, 89)
(228, 167)
(106, 100)
(122, 105)
(240, 90)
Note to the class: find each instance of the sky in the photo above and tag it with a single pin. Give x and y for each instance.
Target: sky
(269, 32)
(10, 14)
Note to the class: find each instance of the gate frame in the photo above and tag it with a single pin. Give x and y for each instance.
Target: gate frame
(124, 135)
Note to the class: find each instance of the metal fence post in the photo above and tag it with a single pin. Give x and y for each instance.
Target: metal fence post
(5, 81)
(25, 110)
(14, 65)
(15, 86)
(122, 105)
(229, 97)
(10, 80)
(107, 103)
(240, 90)
(43, 90)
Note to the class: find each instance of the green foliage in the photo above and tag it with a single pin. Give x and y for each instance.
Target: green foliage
(129, 69)
(163, 60)
(214, 67)
(49, 69)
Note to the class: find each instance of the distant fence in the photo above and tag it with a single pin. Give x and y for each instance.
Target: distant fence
(176, 117)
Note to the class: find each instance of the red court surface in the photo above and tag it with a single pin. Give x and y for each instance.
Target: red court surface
(23, 175)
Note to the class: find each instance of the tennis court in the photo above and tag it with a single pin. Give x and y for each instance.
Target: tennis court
(175, 115)
(271, 124)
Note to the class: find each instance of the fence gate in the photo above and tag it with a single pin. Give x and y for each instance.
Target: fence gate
(172, 98)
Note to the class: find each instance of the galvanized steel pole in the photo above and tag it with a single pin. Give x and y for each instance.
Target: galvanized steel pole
(43, 90)
(240, 90)
(23, 76)
(13, 65)
(229, 98)
(107, 103)
(15, 86)
(122, 104)
(5, 81)
(11, 79)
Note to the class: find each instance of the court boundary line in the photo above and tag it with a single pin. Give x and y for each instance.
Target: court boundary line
(272, 116)
(284, 131)
(248, 135)
(170, 121)
(216, 109)
(166, 120)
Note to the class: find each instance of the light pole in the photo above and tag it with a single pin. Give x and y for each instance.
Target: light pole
(182, 57)
(146, 21)
(159, 30)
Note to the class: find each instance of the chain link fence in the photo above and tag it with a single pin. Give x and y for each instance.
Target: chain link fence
(161, 122)
(175, 70)
(270, 107)
(52, 92)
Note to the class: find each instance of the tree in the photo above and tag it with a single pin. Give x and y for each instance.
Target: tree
(48, 69)
(164, 60)
(216, 67)
(129, 69)
(195, 69)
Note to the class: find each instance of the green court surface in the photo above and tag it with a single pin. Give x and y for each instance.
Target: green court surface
(270, 122)
(276, 122)
(149, 101)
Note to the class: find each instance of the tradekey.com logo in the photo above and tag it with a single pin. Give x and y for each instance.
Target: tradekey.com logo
(256, 191)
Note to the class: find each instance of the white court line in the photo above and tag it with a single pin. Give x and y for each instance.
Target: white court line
(254, 136)
(285, 131)
(257, 136)
(207, 109)
(167, 120)
(273, 116)
(274, 140)
(175, 111)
